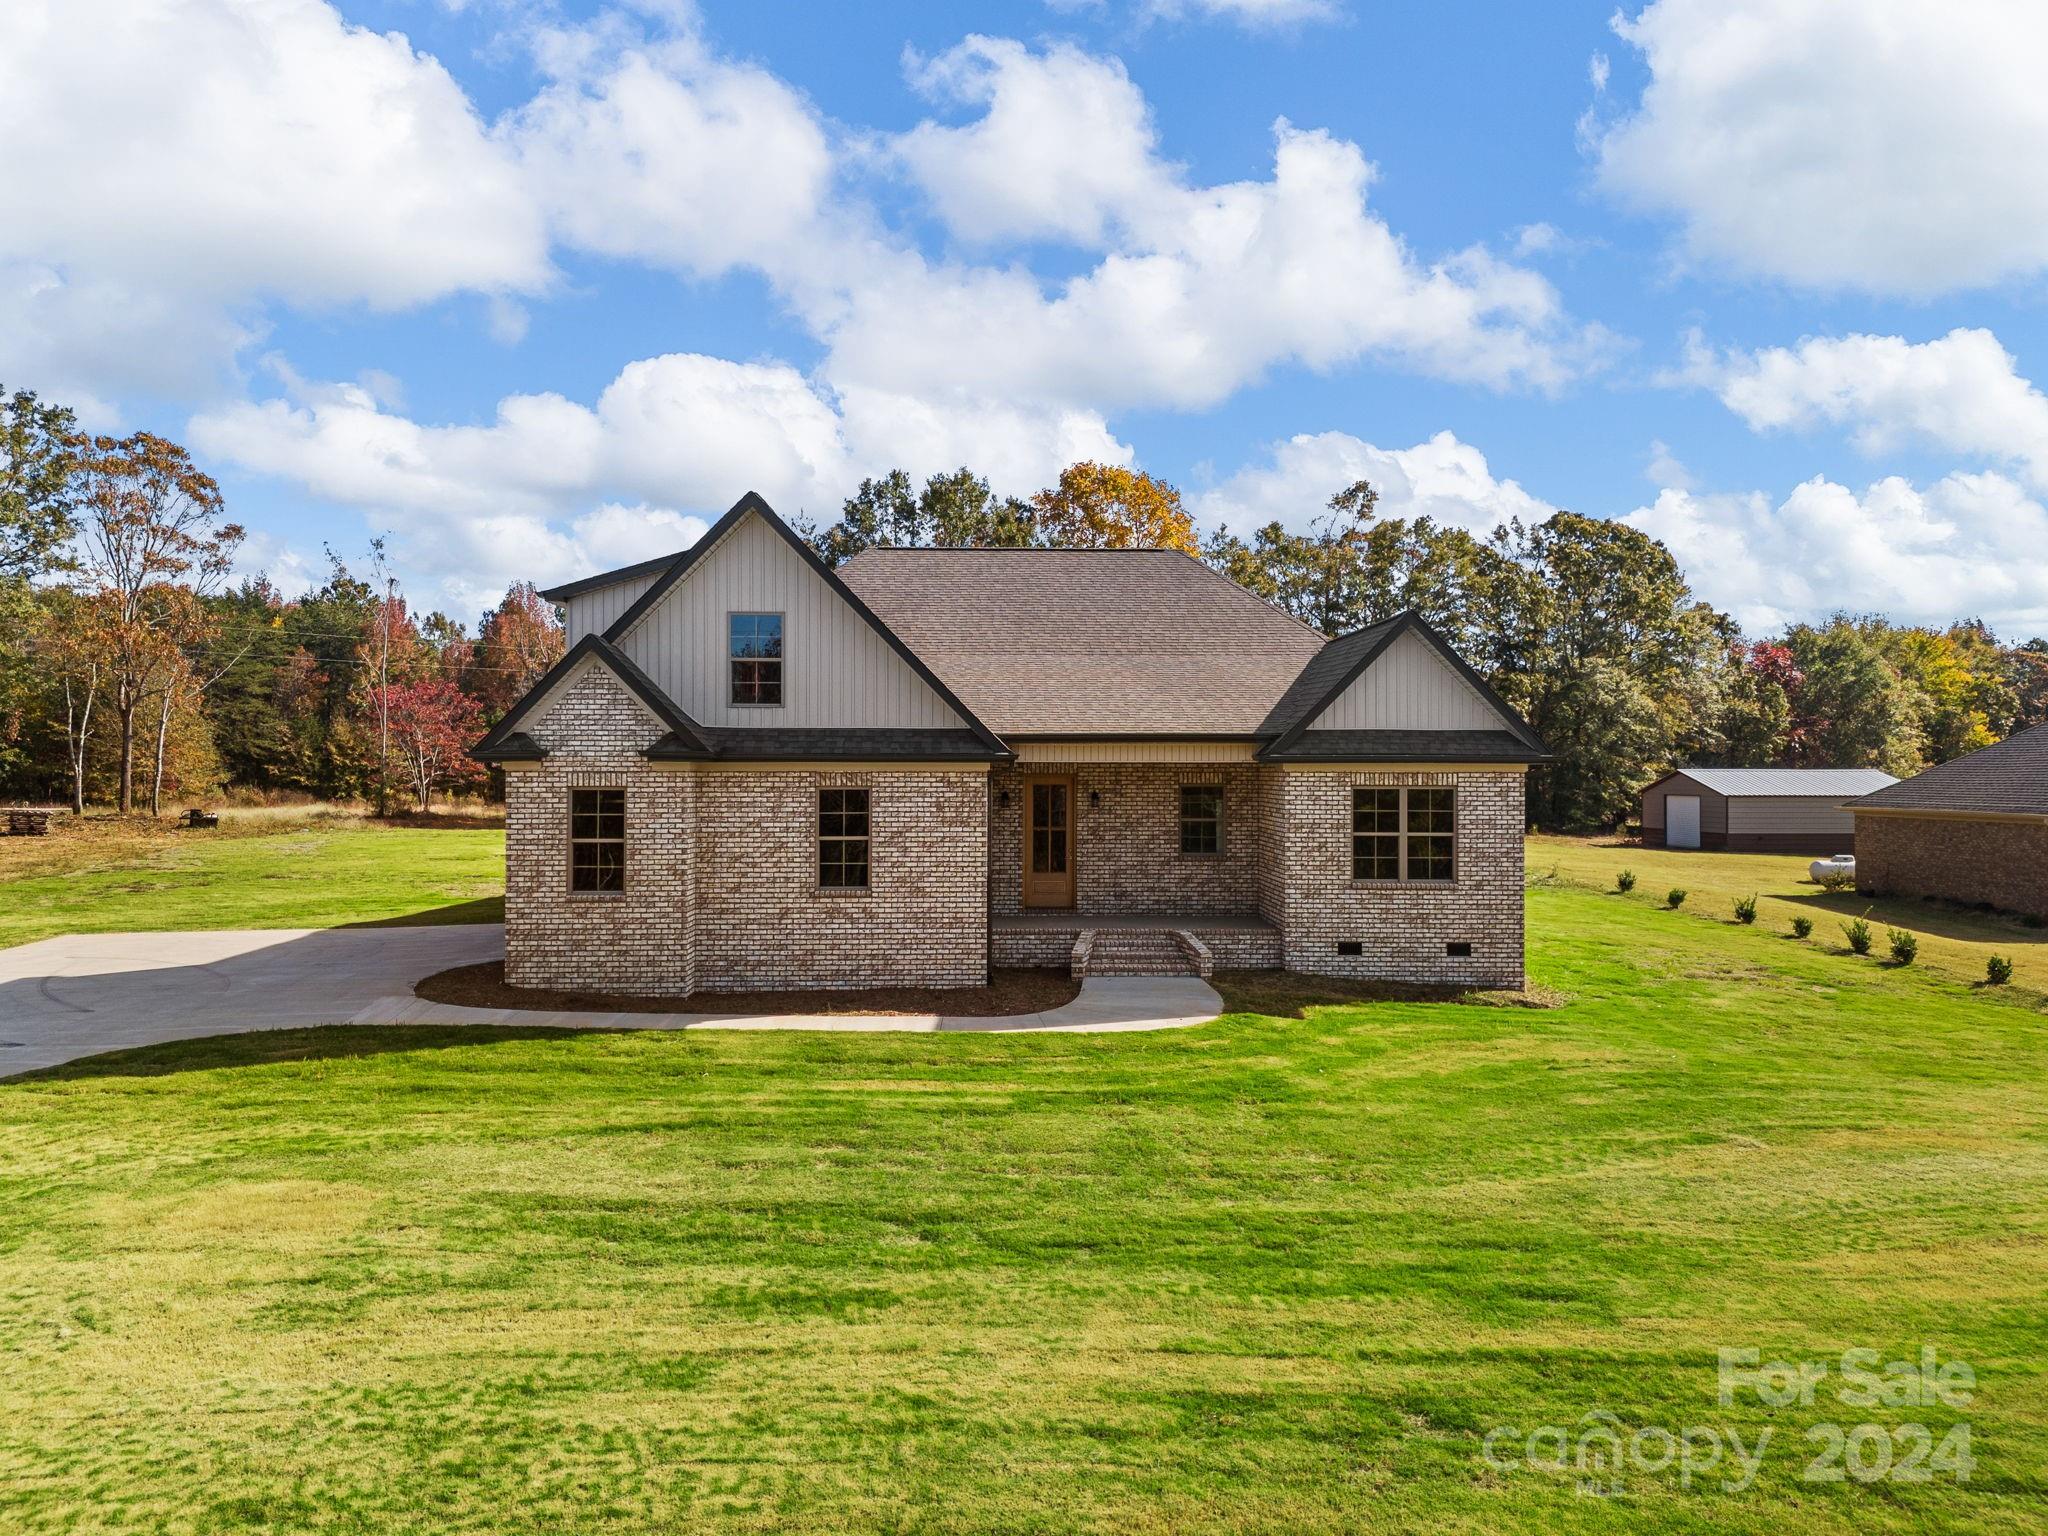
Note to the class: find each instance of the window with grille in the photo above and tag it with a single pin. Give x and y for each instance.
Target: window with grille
(1201, 819)
(597, 840)
(754, 643)
(1404, 833)
(843, 839)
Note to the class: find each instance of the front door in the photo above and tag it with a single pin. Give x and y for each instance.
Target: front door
(1049, 842)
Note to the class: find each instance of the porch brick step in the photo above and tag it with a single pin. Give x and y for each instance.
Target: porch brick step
(1139, 952)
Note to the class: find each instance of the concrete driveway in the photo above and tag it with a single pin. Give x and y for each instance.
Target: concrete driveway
(86, 993)
(78, 996)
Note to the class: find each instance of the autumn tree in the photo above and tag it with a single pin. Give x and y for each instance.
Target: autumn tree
(147, 518)
(1107, 506)
(515, 645)
(433, 726)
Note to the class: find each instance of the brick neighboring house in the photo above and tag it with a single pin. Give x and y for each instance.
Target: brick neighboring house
(1974, 829)
(753, 771)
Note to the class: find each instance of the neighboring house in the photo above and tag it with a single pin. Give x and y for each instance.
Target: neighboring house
(1974, 829)
(1757, 810)
(752, 771)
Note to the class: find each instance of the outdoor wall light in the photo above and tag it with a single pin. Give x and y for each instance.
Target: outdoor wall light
(1094, 798)
(1002, 797)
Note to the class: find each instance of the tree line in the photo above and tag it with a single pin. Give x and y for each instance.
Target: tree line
(134, 673)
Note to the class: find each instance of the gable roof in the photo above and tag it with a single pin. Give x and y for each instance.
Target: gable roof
(753, 504)
(1089, 642)
(569, 589)
(2008, 778)
(505, 742)
(1344, 660)
(1786, 783)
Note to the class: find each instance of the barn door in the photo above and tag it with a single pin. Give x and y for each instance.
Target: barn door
(1681, 821)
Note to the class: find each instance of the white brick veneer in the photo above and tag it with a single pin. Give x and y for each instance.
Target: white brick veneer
(1403, 928)
(721, 870)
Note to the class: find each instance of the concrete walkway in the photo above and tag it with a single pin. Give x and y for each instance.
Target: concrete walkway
(1106, 1004)
(64, 998)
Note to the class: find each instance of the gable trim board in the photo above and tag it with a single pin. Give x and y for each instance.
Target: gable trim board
(1405, 623)
(753, 504)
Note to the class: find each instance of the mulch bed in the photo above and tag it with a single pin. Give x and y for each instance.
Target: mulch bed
(1014, 991)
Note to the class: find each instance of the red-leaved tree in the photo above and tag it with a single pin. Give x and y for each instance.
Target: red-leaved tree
(433, 726)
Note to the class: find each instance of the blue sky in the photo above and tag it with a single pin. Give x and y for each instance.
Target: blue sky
(537, 287)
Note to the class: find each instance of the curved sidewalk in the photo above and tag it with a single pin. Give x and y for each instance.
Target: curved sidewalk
(1106, 1004)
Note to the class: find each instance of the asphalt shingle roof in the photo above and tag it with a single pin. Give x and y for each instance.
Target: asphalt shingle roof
(1786, 783)
(1089, 642)
(2009, 778)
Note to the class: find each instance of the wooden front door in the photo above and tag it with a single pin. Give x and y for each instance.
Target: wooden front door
(1049, 842)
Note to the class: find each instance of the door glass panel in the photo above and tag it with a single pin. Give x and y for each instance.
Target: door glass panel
(1048, 829)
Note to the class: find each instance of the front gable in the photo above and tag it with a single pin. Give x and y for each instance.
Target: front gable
(1408, 686)
(841, 669)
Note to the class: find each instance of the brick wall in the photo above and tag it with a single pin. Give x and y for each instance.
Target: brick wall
(1127, 854)
(1403, 927)
(2002, 862)
(641, 941)
(763, 921)
(721, 870)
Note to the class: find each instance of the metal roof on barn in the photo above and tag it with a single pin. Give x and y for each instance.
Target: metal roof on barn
(1789, 783)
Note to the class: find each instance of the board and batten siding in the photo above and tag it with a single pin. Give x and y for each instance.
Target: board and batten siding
(1766, 814)
(592, 612)
(836, 670)
(1409, 687)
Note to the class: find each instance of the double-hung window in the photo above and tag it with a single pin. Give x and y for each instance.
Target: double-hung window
(1201, 819)
(1404, 833)
(754, 646)
(597, 841)
(843, 839)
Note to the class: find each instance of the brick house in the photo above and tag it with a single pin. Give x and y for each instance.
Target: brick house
(751, 770)
(1974, 829)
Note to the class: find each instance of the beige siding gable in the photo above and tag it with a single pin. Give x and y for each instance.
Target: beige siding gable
(837, 670)
(1409, 687)
(592, 612)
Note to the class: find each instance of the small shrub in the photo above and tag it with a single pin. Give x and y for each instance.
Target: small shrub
(1858, 935)
(1998, 970)
(1836, 884)
(1745, 909)
(1905, 945)
(1625, 881)
(1802, 927)
(1675, 897)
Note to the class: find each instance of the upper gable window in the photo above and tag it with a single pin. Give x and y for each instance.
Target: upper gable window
(755, 648)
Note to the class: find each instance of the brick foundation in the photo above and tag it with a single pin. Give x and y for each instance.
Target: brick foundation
(2004, 863)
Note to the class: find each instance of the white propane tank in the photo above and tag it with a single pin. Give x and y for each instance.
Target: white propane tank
(1839, 867)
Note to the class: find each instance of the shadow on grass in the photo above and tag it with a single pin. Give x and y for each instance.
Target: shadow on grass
(1947, 920)
(323, 1042)
(1290, 994)
(484, 909)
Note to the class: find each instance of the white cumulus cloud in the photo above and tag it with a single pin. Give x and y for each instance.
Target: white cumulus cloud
(1440, 478)
(1883, 145)
(1969, 545)
(1962, 393)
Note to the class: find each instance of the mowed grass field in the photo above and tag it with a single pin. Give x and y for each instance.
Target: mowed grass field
(259, 869)
(1274, 1274)
(1953, 941)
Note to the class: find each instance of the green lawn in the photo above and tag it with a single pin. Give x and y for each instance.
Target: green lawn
(1269, 1275)
(1953, 940)
(262, 870)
